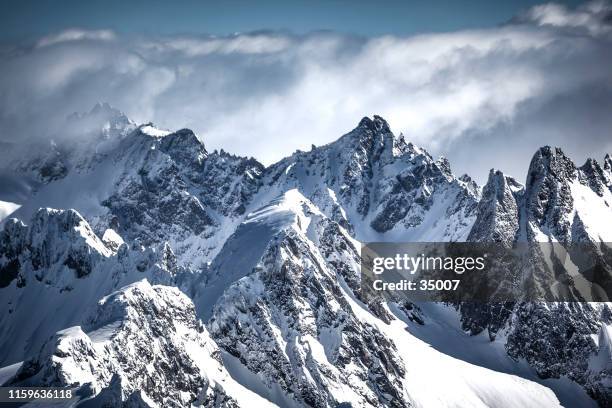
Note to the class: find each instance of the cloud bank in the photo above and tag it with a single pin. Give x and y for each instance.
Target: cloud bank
(484, 98)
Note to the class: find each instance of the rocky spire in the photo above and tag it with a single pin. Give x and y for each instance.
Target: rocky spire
(498, 210)
(549, 200)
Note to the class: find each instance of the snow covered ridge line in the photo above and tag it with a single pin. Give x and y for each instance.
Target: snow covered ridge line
(375, 348)
(139, 326)
(270, 259)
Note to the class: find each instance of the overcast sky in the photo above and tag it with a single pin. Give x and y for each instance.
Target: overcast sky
(482, 93)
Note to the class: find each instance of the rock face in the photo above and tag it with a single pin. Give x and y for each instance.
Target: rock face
(372, 182)
(558, 204)
(140, 344)
(201, 192)
(498, 210)
(289, 322)
(557, 340)
(270, 259)
(56, 267)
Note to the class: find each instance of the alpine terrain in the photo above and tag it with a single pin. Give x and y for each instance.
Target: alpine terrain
(142, 270)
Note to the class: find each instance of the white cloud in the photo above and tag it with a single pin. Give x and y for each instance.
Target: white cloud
(593, 17)
(76, 34)
(266, 94)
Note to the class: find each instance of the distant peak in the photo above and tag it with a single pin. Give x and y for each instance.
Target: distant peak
(102, 106)
(497, 176)
(548, 156)
(378, 124)
(549, 151)
(106, 110)
(550, 161)
(590, 164)
(184, 145)
(444, 165)
(184, 138)
(465, 178)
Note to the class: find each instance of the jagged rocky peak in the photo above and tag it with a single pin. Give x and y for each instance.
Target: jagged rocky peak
(50, 226)
(608, 163)
(607, 168)
(550, 162)
(501, 184)
(103, 119)
(596, 177)
(371, 174)
(114, 116)
(184, 147)
(444, 165)
(293, 308)
(549, 200)
(377, 124)
(471, 184)
(170, 188)
(138, 326)
(106, 108)
(498, 211)
(54, 240)
(52, 229)
(375, 136)
(371, 140)
(561, 200)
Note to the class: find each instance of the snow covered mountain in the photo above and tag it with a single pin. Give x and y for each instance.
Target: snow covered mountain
(268, 260)
(133, 341)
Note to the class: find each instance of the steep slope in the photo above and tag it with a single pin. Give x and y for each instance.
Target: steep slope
(566, 206)
(296, 323)
(498, 212)
(157, 186)
(270, 257)
(103, 360)
(52, 270)
(565, 203)
(380, 187)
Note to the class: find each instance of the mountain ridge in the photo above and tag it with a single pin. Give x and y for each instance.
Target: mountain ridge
(272, 253)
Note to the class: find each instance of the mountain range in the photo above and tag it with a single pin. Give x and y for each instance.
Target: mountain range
(142, 270)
